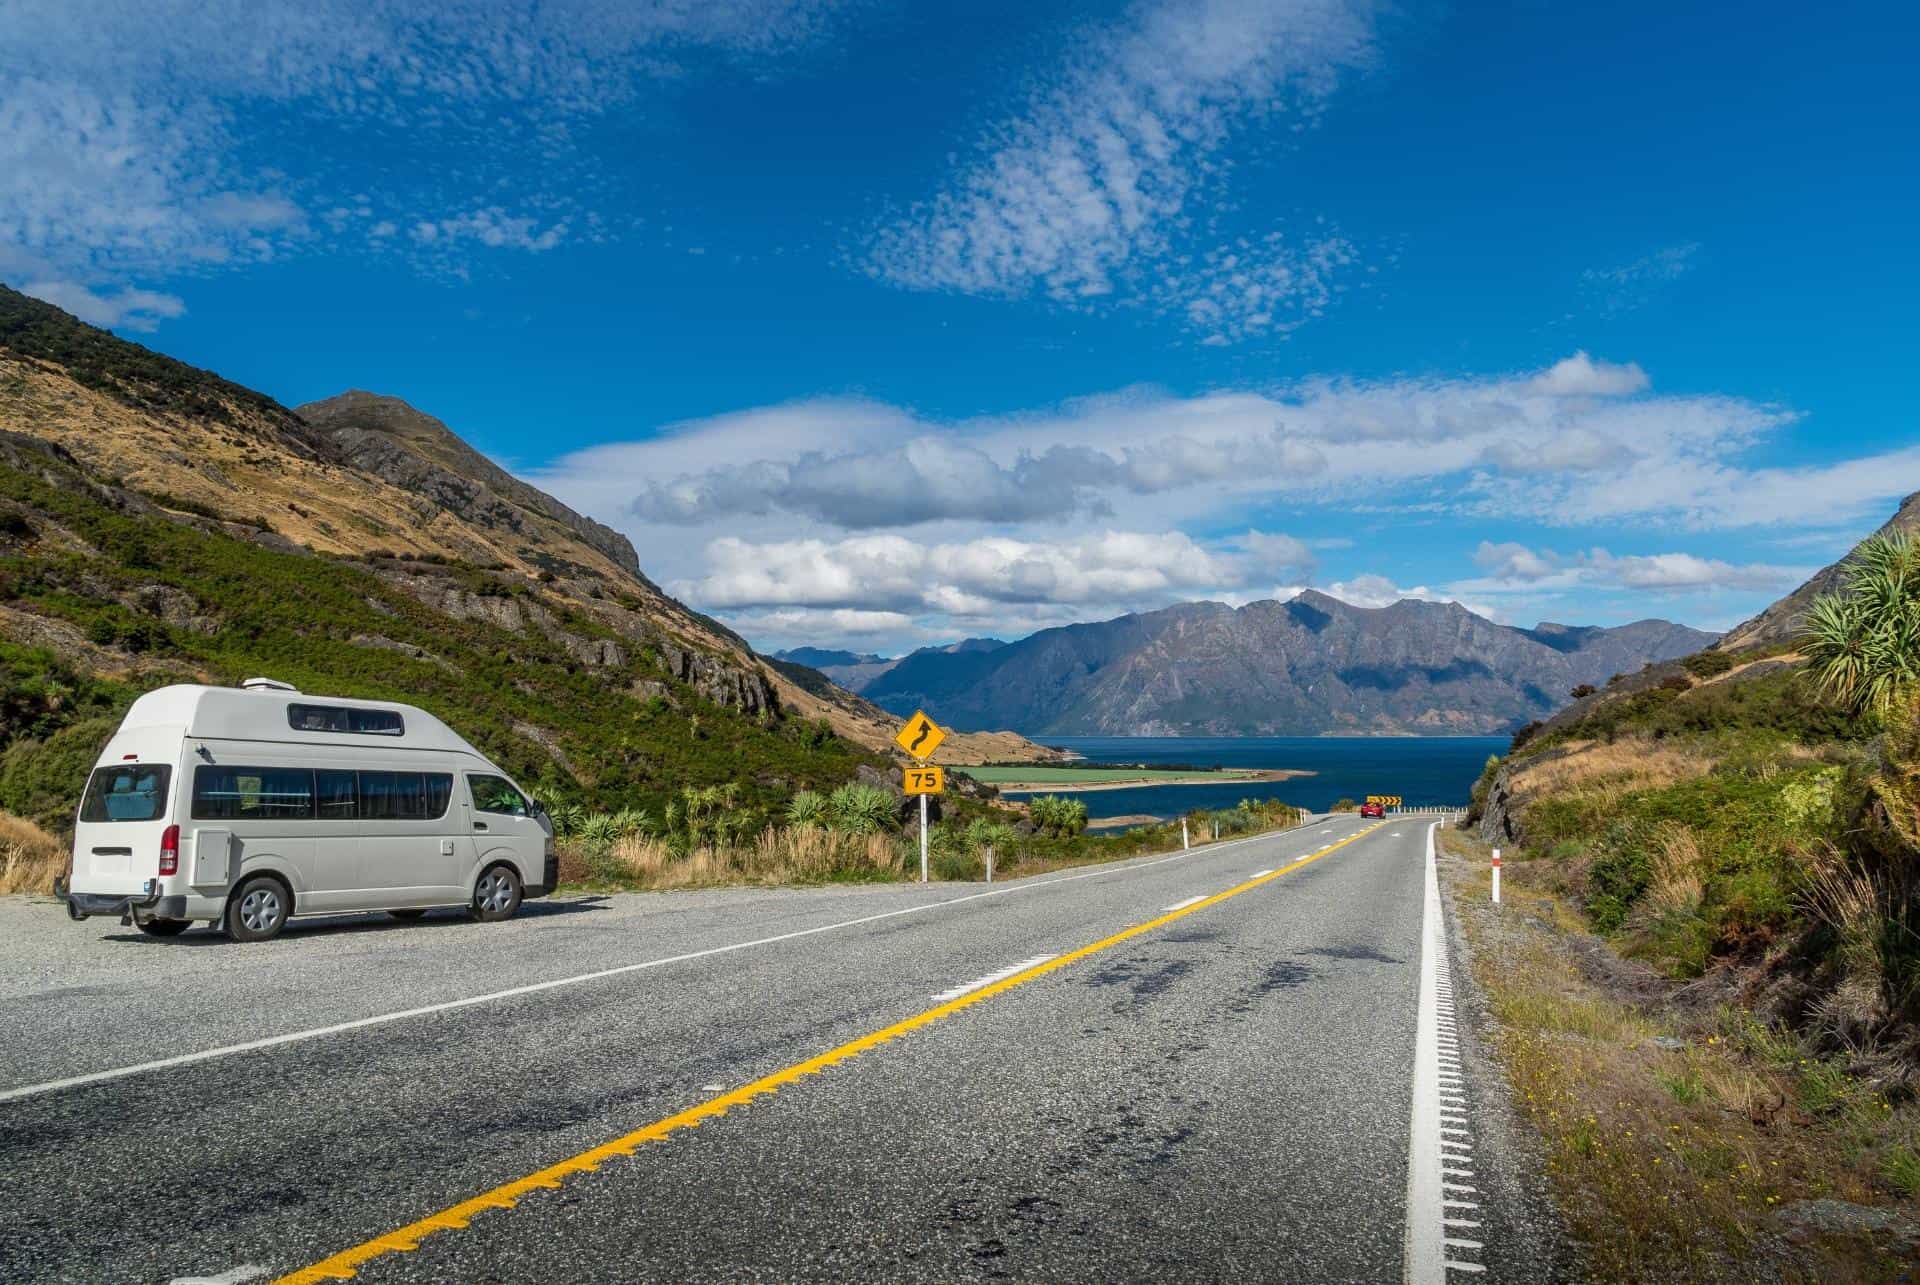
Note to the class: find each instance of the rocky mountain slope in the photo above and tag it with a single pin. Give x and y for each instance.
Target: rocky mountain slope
(1309, 666)
(1777, 625)
(374, 489)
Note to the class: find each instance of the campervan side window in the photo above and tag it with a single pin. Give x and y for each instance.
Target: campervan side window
(135, 792)
(343, 718)
(252, 794)
(405, 796)
(336, 796)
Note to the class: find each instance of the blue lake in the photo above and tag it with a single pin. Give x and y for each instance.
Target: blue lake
(1421, 769)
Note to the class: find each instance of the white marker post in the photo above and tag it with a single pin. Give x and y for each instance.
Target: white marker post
(923, 840)
(1185, 842)
(989, 863)
(1496, 876)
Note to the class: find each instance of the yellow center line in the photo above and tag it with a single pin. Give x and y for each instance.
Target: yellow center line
(343, 1265)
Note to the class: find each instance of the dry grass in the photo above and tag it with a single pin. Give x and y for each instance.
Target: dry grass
(30, 858)
(1668, 1163)
(798, 854)
(1612, 766)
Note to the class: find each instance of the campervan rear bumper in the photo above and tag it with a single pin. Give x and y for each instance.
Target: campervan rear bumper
(146, 904)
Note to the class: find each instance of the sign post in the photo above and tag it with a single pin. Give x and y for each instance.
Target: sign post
(921, 737)
(1496, 876)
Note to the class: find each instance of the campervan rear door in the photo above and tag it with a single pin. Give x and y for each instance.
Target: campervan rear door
(124, 811)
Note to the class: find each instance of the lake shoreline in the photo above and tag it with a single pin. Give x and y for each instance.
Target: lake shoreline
(1256, 776)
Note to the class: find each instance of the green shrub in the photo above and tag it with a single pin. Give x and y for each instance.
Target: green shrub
(1708, 664)
(1618, 876)
(41, 780)
(1056, 816)
(862, 809)
(808, 807)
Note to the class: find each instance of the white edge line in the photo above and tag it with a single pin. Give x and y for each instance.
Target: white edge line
(1426, 1256)
(534, 988)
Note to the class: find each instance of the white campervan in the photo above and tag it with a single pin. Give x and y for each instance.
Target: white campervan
(244, 806)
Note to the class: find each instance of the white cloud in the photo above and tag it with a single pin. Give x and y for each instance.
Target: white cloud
(1582, 376)
(128, 309)
(1374, 590)
(1109, 571)
(1583, 442)
(1630, 285)
(146, 136)
(1100, 182)
(1512, 566)
(808, 624)
(1514, 562)
(1577, 443)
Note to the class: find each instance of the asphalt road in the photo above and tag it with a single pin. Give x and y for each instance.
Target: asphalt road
(1223, 1092)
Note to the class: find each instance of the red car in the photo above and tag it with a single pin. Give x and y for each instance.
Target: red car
(1373, 810)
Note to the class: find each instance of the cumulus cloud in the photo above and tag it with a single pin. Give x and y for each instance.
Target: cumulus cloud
(936, 476)
(140, 137)
(975, 579)
(1375, 590)
(1581, 442)
(1509, 566)
(1094, 185)
(129, 309)
(1582, 376)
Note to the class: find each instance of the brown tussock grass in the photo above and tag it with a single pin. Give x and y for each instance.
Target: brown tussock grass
(30, 858)
(1617, 766)
(1669, 1164)
(797, 854)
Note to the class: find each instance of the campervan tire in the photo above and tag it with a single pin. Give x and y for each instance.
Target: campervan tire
(497, 893)
(258, 909)
(163, 927)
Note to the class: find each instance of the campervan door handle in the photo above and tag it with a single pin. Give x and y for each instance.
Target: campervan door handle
(479, 825)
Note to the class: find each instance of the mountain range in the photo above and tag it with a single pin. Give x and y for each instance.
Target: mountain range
(1312, 665)
(160, 523)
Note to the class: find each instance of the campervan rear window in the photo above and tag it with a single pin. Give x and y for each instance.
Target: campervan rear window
(130, 792)
(345, 718)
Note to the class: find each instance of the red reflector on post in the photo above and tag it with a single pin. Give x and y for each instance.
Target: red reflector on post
(170, 851)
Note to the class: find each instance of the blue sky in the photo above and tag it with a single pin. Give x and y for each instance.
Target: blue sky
(876, 325)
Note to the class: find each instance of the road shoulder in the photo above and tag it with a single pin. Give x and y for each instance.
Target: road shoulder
(1521, 1230)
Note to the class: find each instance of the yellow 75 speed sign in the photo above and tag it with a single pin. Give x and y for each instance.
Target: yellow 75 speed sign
(923, 780)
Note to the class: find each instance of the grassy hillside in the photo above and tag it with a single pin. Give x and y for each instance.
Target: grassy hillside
(107, 594)
(1731, 815)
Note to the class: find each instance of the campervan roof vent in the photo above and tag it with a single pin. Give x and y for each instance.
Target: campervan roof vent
(268, 685)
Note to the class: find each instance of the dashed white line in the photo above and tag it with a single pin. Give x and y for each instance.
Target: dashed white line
(1259, 874)
(1182, 905)
(999, 976)
(232, 1276)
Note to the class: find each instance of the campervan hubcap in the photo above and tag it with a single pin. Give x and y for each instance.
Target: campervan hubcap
(259, 910)
(495, 893)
